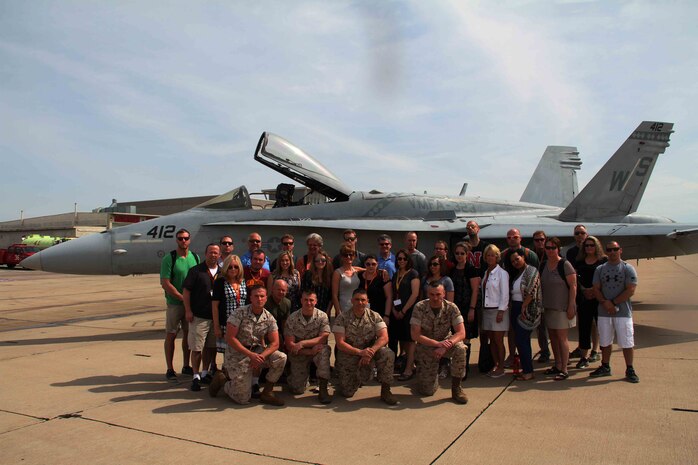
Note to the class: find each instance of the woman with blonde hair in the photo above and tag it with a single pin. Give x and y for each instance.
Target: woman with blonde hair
(495, 311)
(229, 293)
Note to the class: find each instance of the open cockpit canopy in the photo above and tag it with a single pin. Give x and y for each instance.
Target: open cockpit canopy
(280, 155)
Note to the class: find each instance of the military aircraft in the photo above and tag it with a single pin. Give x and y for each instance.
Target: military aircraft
(607, 206)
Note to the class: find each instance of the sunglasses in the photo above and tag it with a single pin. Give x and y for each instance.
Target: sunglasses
(385, 244)
(434, 264)
(539, 239)
(580, 233)
(182, 238)
(401, 259)
(589, 245)
(287, 243)
(612, 249)
(233, 267)
(320, 260)
(254, 241)
(347, 255)
(227, 243)
(550, 247)
(350, 239)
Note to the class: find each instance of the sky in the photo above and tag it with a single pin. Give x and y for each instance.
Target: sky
(141, 100)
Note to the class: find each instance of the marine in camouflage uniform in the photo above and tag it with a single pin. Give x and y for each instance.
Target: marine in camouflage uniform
(251, 331)
(437, 327)
(361, 336)
(307, 331)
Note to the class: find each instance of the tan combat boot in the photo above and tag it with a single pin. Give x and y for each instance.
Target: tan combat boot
(267, 396)
(324, 395)
(217, 383)
(457, 392)
(386, 395)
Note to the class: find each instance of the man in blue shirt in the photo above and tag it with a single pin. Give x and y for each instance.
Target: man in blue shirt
(386, 259)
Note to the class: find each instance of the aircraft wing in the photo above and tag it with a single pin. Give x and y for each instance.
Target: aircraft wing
(383, 225)
(682, 233)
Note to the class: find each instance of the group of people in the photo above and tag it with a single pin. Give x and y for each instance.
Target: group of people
(397, 312)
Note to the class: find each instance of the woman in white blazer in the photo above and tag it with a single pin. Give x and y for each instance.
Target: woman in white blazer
(495, 303)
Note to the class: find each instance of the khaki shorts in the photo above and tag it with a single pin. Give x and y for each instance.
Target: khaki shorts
(556, 319)
(201, 334)
(174, 318)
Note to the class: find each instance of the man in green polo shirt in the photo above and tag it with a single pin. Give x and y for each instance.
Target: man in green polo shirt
(174, 268)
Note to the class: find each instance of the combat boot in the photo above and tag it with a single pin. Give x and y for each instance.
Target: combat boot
(386, 395)
(457, 393)
(267, 396)
(324, 395)
(217, 383)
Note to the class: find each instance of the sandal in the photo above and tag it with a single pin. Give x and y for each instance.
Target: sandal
(405, 376)
(561, 376)
(552, 371)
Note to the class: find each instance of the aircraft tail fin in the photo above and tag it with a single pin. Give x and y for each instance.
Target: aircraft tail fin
(617, 188)
(555, 180)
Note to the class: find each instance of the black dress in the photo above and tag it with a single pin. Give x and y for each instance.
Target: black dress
(399, 330)
(324, 293)
(375, 291)
(461, 296)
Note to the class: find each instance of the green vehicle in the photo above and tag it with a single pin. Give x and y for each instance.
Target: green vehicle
(43, 242)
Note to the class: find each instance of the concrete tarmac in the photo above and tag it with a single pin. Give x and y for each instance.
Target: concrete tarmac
(82, 381)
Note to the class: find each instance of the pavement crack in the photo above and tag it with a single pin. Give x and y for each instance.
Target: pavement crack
(482, 412)
(25, 415)
(193, 441)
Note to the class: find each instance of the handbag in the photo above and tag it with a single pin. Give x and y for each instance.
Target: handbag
(532, 317)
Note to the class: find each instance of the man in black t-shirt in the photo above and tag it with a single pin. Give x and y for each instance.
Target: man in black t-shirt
(198, 289)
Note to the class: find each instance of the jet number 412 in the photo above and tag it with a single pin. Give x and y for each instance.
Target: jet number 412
(158, 232)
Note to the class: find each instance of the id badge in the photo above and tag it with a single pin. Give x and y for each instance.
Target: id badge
(397, 302)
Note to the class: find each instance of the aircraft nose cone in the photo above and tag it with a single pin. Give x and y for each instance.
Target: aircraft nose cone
(33, 262)
(86, 255)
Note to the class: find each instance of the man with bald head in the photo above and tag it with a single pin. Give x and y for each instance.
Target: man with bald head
(279, 306)
(254, 242)
(514, 243)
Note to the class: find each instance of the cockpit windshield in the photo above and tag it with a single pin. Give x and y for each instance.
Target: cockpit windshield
(284, 157)
(237, 199)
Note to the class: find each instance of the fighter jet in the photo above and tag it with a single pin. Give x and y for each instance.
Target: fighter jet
(606, 205)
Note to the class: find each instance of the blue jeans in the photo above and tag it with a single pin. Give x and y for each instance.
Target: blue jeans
(523, 339)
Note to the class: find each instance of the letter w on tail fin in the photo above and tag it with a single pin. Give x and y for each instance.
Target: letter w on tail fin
(617, 188)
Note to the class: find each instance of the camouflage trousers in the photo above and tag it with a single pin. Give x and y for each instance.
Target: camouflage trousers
(300, 369)
(350, 374)
(239, 370)
(428, 366)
